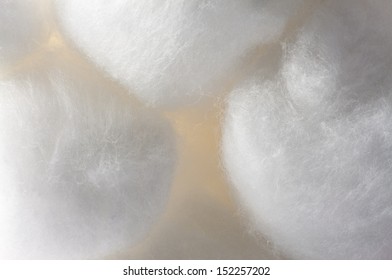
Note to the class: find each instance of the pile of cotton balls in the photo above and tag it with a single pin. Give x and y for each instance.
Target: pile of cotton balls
(87, 156)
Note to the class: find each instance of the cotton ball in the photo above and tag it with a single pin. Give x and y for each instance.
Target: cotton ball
(309, 152)
(83, 173)
(172, 53)
(23, 26)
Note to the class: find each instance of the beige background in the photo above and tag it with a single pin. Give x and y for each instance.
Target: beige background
(202, 220)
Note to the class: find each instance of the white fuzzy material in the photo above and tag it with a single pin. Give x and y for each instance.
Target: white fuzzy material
(83, 173)
(172, 52)
(23, 27)
(310, 151)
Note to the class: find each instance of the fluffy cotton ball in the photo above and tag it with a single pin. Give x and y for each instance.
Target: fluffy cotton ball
(172, 52)
(23, 27)
(83, 173)
(310, 152)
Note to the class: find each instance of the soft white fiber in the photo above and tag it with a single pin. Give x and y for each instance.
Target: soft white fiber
(83, 173)
(172, 52)
(23, 27)
(309, 152)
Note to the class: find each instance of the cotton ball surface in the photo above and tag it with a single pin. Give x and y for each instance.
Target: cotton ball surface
(309, 152)
(172, 53)
(23, 27)
(84, 174)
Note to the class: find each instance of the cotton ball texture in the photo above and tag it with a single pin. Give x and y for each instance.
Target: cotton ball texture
(23, 27)
(83, 173)
(171, 53)
(309, 152)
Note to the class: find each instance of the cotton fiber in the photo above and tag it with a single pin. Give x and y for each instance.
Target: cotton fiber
(172, 52)
(84, 174)
(23, 27)
(309, 152)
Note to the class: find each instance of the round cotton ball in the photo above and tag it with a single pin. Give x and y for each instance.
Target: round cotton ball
(309, 153)
(83, 173)
(23, 27)
(172, 52)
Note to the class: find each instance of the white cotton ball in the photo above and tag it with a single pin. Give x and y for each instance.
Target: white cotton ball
(309, 152)
(23, 27)
(83, 173)
(172, 52)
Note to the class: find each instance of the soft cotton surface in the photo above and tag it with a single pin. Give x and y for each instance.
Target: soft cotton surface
(309, 151)
(84, 174)
(172, 52)
(23, 28)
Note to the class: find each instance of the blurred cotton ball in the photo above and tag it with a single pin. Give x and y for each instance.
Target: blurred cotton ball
(309, 152)
(23, 27)
(84, 174)
(172, 53)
